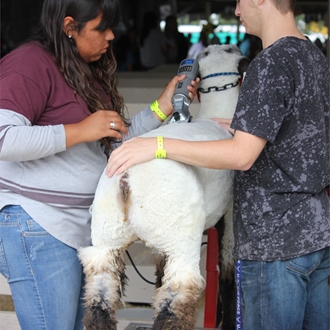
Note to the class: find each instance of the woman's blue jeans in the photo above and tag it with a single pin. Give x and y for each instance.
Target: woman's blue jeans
(287, 295)
(45, 275)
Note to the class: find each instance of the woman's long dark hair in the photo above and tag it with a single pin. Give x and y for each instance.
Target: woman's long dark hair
(79, 74)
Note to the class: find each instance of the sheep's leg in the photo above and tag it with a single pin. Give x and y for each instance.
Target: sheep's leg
(176, 299)
(105, 281)
(227, 286)
(160, 262)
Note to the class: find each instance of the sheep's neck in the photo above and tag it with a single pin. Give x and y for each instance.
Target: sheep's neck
(220, 104)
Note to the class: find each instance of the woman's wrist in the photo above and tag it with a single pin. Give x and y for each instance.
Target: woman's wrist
(157, 109)
(166, 106)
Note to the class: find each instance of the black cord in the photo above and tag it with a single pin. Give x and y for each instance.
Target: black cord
(142, 277)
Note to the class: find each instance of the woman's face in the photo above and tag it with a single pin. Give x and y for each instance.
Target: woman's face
(92, 43)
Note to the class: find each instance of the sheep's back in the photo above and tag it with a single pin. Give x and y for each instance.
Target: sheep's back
(198, 130)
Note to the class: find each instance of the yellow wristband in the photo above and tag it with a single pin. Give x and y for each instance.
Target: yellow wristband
(160, 152)
(154, 106)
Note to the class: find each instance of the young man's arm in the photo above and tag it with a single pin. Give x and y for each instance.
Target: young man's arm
(238, 153)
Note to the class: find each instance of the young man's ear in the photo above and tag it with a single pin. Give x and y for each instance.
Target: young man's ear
(68, 26)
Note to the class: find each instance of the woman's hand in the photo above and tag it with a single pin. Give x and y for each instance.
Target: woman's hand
(225, 123)
(132, 152)
(95, 127)
(165, 99)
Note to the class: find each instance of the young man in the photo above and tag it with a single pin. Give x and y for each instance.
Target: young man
(280, 152)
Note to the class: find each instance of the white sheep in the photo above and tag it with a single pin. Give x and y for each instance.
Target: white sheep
(167, 205)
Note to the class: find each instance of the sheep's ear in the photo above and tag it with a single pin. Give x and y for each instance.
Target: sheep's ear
(243, 65)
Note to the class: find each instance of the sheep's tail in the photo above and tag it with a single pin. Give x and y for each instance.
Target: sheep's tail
(124, 187)
(124, 195)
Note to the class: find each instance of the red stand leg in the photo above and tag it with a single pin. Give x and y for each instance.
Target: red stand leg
(212, 276)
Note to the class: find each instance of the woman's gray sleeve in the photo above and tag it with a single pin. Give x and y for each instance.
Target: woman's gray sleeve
(142, 122)
(20, 141)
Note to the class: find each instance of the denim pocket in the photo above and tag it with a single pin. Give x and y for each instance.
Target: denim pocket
(34, 229)
(3, 262)
(305, 265)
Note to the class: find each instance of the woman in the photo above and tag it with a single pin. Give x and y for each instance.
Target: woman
(61, 114)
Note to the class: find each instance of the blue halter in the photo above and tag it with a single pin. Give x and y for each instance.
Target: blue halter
(222, 88)
(221, 74)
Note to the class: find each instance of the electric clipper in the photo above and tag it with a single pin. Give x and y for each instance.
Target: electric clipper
(180, 99)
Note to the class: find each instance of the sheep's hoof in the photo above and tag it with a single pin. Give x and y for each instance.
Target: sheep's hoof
(97, 318)
(167, 320)
(164, 321)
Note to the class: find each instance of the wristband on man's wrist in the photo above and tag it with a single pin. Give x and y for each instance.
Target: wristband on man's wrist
(154, 106)
(160, 152)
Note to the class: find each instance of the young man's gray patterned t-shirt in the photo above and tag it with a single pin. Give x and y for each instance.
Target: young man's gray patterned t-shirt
(281, 208)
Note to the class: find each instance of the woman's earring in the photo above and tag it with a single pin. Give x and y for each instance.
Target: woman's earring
(70, 36)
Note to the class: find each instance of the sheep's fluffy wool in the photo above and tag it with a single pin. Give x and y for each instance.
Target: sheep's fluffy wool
(167, 204)
(168, 197)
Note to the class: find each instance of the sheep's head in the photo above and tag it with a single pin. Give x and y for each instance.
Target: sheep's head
(220, 68)
(221, 58)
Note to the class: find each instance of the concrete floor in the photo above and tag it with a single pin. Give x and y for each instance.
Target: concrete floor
(133, 317)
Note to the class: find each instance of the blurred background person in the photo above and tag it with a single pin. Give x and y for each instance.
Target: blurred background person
(177, 44)
(152, 42)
